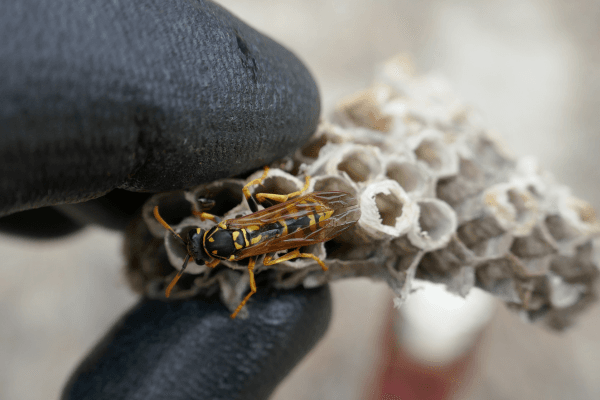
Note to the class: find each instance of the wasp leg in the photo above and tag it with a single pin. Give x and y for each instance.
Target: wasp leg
(261, 197)
(290, 256)
(252, 287)
(246, 191)
(213, 263)
(204, 216)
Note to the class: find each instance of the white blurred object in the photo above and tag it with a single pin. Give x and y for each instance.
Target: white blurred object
(436, 326)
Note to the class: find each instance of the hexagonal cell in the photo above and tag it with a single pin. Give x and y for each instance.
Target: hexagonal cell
(536, 266)
(335, 183)
(442, 261)
(559, 228)
(467, 183)
(525, 206)
(579, 268)
(496, 277)
(146, 256)
(413, 177)
(439, 157)
(534, 294)
(497, 246)
(497, 165)
(586, 214)
(485, 237)
(435, 226)
(387, 211)
(173, 207)
(452, 265)
(564, 294)
(574, 224)
(515, 209)
(326, 133)
(276, 182)
(364, 108)
(470, 209)
(361, 164)
(538, 244)
(226, 195)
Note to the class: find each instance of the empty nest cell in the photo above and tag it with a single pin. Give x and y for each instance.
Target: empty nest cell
(413, 178)
(361, 164)
(439, 157)
(435, 226)
(387, 210)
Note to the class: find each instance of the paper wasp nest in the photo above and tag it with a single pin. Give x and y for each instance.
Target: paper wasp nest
(439, 199)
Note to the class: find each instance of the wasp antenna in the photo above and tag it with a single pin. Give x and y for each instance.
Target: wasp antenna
(167, 226)
(174, 281)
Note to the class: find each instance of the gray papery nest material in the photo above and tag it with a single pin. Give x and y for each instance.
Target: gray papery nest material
(439, 199)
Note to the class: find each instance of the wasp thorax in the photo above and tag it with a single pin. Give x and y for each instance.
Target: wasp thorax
(219, 243)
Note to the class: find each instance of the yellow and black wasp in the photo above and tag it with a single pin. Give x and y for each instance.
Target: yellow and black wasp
(305, 220)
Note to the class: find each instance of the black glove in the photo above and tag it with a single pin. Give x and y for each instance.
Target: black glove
(99, 99)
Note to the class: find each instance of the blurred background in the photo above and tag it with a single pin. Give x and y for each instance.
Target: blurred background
(531, 67)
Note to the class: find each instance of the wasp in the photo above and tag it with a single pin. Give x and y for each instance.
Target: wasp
(304, 220)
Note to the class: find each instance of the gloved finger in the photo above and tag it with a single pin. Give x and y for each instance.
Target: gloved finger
(144, 96)
(193, 350)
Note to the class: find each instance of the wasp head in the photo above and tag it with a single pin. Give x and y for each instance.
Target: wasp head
(195, 247)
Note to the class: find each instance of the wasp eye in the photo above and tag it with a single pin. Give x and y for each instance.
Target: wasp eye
(191, 235)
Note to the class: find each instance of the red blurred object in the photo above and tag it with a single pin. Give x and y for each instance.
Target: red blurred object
(402, 377)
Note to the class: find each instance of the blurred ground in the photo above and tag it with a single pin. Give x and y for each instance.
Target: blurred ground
(531, 67)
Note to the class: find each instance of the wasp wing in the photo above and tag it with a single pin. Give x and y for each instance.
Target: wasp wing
(344, 213)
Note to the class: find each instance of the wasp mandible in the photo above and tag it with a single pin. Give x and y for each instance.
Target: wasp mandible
(305, 220)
